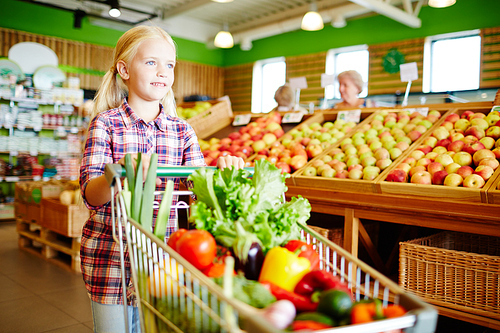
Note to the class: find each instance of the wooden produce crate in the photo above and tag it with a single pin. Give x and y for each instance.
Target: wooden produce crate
(66, 220)
(437, 191)
(460, 271)
(493, 191)
(347, 184)
(212, 120)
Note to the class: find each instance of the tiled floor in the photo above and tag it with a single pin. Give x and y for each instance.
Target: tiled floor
(36, 295)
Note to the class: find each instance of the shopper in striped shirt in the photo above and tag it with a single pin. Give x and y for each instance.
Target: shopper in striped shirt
(142, 119)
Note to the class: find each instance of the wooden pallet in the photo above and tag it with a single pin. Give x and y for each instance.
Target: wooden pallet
(59, 249)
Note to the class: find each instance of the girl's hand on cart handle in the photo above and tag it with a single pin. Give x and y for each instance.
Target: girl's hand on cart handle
(229, 162)
(145, 165)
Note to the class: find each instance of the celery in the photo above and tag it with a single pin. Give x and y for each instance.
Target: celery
(164, 211)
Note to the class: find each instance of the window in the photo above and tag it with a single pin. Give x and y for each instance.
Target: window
(268, 76)
(452, 62)
(343, 59)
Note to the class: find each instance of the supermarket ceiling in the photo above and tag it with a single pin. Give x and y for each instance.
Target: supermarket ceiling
(247, 20)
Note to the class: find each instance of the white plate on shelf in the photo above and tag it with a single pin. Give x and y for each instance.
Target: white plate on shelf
(9, 67)
(30, 56)
(48, 77)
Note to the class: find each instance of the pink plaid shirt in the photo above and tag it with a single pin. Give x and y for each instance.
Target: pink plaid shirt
(112, 134)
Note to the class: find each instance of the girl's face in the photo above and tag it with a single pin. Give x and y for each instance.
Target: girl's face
(150, 74)
(348, 90)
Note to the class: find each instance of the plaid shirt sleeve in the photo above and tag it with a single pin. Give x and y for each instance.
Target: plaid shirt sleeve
(111, 135)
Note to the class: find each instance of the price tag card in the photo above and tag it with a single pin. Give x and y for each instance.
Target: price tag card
(422, 111)
(495, 108)
(292, 117)
(409, 72)
(351, 115)
(11, 179)
(327, 80)
(74, 130)
(21, 127)
(37, 128)
(298, 82)
(13, 153)
(37, 178)
(242, 119)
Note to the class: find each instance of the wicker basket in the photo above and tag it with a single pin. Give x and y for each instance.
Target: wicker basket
(454, 270)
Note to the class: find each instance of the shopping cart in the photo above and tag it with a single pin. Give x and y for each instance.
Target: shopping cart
(173, 296)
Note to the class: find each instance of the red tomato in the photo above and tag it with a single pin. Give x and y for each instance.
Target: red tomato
(174, 238)
(214, 270)
(198, 247)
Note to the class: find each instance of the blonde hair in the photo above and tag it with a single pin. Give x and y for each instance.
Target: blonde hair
(354, 76)
(110, 93)
(284, 96)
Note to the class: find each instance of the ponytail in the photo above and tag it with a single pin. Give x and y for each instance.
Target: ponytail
(109, 94)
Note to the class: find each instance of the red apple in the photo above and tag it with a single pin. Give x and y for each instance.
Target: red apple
(464, 171)
(484, 171)
(234, 135)
(298, 161)
(456, 146)
(443, 143)
(475, 131)
(434, 167)
(415, 169)
(438, 177)
(285, 168)
(397, 175)
(472, 148)
(424, 148)
(342, 174)
(452, 117)
(466, 114)
(414, 135)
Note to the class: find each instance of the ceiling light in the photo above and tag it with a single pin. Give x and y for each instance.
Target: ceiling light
(441, 3)
(224, 39)
(339, 21)
(114, 11)
(312, 21)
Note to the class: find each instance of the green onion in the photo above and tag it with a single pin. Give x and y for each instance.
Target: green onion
(137, 192)
(127, 196)
(129, 168)
(148, 196)
(164, 211)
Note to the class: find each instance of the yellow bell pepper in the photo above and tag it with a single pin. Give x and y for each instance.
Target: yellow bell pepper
(284, 268)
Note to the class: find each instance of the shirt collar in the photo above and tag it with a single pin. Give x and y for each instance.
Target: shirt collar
(130, 118)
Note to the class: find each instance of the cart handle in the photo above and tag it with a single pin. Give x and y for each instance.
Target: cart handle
(113, 171)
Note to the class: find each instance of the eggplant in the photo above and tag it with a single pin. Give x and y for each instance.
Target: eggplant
(248, 253)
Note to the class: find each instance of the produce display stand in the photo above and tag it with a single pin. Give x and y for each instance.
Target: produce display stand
(175, 296)
(428, 212)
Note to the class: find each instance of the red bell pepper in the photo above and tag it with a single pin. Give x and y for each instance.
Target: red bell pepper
(308, 325)
(306, 251)
(301, 303)
(317, 281)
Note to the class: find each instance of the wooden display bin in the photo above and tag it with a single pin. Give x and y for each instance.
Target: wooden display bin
(212, 120)
(66, 220)
(436, 191)
(493, 191)
(346, 184)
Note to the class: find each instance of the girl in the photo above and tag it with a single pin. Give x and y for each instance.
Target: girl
(144, 121)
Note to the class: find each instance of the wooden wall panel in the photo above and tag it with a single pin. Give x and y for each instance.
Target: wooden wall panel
(311, 66)
(238, 86)
(490, 58)
(89, 62)
(381, 82)
(197, 79)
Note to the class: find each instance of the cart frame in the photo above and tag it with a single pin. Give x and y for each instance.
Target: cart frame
(205, 303)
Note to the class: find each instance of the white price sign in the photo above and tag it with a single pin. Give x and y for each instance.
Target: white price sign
(242, 119)
(351, 115)
(422, 111)
(298, 82)
(292, 117)
(327, 80)
(409, 72)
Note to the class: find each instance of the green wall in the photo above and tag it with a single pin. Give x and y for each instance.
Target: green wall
(48, 21)
(464, 15)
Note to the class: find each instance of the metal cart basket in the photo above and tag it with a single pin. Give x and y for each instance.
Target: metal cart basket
(174, 296)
